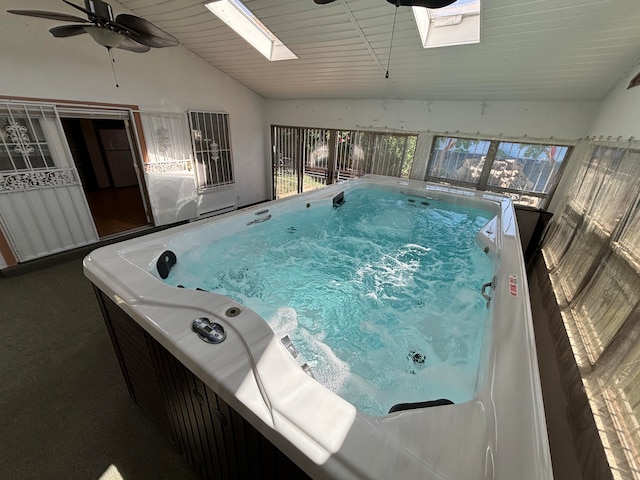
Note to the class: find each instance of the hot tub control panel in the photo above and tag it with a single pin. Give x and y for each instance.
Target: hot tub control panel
(208, 331)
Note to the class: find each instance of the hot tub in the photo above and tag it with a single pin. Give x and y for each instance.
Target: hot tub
(226, 403)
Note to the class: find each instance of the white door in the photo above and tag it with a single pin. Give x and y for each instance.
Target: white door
(43, 209)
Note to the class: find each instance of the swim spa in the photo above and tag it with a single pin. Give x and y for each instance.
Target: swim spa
(227, 402)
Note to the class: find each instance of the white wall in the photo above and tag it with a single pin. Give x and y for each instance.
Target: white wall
(562, 120)
(34, 64)
(619, 115)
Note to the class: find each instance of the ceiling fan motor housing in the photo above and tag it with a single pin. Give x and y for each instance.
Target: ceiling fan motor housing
(422, 3)
(100, 9)
(406, 3)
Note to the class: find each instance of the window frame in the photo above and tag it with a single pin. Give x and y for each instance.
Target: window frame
(483, 182)
(203, 176)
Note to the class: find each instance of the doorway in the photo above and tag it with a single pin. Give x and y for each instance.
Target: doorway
(105, 161)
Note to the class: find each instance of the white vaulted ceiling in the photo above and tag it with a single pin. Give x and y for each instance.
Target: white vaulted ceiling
(529, 49)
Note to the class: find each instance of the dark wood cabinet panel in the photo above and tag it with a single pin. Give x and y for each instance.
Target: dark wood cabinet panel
(211, 436)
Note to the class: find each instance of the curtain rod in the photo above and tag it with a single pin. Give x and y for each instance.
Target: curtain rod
(602, 138)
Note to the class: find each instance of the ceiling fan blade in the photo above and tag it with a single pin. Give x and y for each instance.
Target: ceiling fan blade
(133, 46)
(67, 30)
(145, 32)
(92, 15)
(63, 17)
(422, 3)
(323, 2)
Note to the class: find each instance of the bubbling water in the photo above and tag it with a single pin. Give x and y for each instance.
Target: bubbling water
(381, 296)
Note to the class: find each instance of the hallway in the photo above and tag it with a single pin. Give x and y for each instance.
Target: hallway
(116, 210)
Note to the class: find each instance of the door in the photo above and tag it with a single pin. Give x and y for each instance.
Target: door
(303, 159)
(104, 155)
(43, 209)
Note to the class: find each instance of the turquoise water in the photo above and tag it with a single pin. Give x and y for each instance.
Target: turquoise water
(380, 296)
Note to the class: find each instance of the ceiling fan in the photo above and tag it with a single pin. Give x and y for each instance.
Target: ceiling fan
(433, 4)
(127, 32)
(407, 3)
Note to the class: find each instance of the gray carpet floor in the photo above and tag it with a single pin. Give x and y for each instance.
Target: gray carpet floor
(65, 412)
(64, 408)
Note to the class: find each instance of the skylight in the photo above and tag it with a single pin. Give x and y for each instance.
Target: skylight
(457, 24)
(247, 25)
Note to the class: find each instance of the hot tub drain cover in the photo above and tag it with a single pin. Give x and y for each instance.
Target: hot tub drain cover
(416, 357)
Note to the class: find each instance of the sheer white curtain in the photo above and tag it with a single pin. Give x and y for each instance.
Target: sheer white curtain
(169, 167)
(592, 253)
(579, 202)
(168, 141)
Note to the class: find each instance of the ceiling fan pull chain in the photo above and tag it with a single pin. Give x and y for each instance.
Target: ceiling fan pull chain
(113, 68)
(393, 28)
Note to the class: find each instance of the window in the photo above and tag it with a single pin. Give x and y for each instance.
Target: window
(359, 153)
(456, 24)
(528, 172)
(235, 14)
(307, 158)
(211, 149)
(458, 159)
(168, 146)
(23, 145)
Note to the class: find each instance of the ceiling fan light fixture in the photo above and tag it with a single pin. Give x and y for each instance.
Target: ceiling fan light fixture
(106, 38)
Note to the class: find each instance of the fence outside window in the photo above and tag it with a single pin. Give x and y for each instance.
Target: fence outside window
(528, 172)
(307, 158)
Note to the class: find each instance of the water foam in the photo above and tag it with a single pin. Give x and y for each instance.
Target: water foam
(380, 297)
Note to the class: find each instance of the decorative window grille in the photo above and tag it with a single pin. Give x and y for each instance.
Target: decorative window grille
(528, 172)
(211, 149)
(168, 146)
(23, 145)
(43, 209)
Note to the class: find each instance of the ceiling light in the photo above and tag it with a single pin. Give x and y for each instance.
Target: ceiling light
(247, 25)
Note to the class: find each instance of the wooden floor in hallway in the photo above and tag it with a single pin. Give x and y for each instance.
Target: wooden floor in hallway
(117, 210)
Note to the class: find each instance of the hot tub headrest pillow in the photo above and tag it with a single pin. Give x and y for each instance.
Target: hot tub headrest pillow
(167, 260)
